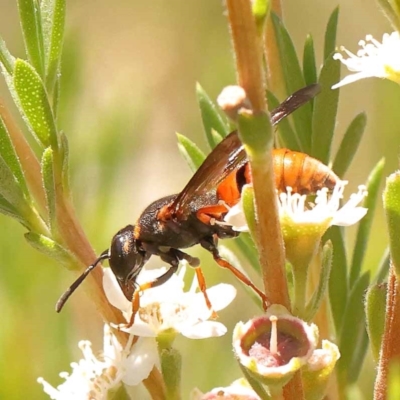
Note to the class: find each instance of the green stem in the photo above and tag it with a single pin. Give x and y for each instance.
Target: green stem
(300, 275)
(171, 366)
(256, 133)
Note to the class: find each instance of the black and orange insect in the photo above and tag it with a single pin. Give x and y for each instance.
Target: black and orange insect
(192, 217)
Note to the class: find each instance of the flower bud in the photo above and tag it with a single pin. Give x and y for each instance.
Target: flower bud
(232, 99)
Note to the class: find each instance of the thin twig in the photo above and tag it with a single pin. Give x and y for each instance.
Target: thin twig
(390, 348)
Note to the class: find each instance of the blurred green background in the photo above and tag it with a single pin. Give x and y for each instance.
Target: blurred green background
(129, 74)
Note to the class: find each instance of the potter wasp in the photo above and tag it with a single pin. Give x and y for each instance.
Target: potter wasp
(194, 215)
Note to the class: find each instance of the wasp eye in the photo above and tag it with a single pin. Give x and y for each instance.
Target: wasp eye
(125, 257)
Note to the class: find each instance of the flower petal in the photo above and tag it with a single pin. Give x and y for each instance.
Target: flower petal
(113, 291)
(141, 361)
(236, 218)
(139, 328)
(221, 295)
(344, 218)
(204, 330)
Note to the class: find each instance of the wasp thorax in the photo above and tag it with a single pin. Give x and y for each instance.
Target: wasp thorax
(126, 259)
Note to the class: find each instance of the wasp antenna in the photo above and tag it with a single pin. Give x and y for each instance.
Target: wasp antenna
(66, 295)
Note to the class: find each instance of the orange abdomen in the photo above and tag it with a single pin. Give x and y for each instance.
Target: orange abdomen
(303, 173)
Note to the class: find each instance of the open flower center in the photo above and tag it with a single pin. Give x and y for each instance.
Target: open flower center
(275, 347)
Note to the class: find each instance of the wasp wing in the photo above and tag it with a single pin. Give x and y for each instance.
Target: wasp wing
(230, 155)
(294, 101)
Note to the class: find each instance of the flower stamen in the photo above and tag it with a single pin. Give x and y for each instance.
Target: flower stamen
(273, 342)
(374, 59)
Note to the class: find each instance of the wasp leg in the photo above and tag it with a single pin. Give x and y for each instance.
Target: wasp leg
(203, 287)
(209, 214)
(148, 285)
(195, 263)
(172, 257)
(211, 247)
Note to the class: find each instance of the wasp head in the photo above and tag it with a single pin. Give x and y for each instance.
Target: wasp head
(126, 256)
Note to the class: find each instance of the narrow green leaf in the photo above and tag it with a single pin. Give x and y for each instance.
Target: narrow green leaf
(383, 268)
(49, 185)
(375, 311)
(210, 116)
(330, 34)
(391, 205)
(364, 227)
(287, 136)
(353, 322)
(10, 188)
(64, 150)
(47, 14)
(255, 384)
(217, 138)
(29, 12)
(359, 353)
(349, 144)
(338, 286)
(249, 209)
(34, 102)
(8, 154)
(390, 14)
(318, 295)
(309, 63)
(7, 209)
(294, 80)
(190, 152)
(56, 97)
(325, 110)
(50, 248)
(53, 12)
(246, 245)
(5, 57)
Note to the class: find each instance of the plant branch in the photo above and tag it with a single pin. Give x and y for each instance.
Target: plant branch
(390, 347)
(258, 145)
(29, 162)
(246, 43)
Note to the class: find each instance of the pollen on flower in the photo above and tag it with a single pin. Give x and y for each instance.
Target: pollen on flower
(168, 308)
(325, 209)
(92, 377)
(374, 59)
(273, 349)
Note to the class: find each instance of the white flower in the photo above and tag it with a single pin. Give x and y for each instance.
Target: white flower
(237, 390)
(93, 377)
(168, 308)
(374, 59)
(325, 210)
